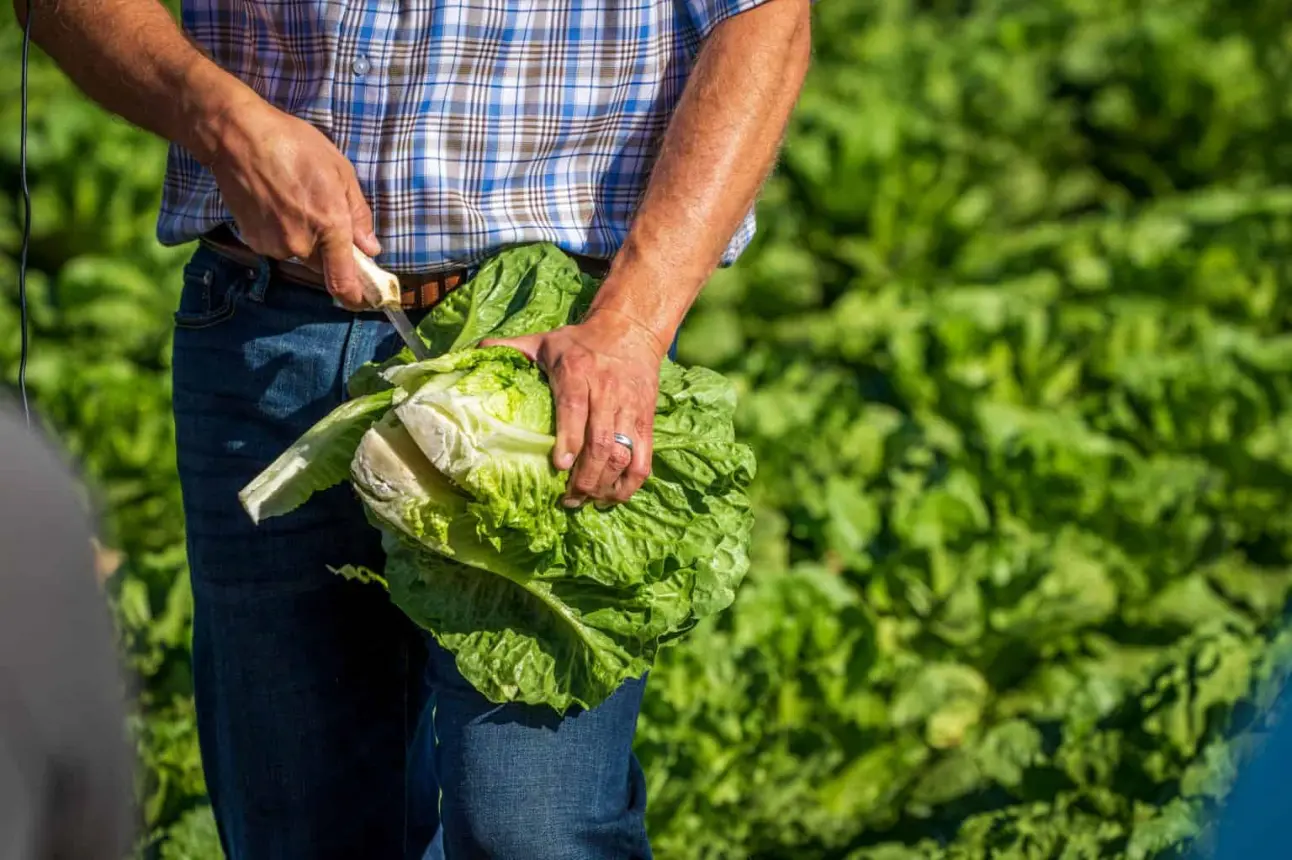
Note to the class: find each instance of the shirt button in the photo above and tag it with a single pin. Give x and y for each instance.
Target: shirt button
(361, 66)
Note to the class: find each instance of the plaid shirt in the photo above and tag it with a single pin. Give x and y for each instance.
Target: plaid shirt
(473, 124)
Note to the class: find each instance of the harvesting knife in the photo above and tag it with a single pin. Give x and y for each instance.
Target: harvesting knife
(381, 289)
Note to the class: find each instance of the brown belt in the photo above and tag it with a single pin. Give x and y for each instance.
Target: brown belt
(417, 291)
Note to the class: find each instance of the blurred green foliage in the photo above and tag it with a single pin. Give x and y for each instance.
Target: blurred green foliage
(1012, 346)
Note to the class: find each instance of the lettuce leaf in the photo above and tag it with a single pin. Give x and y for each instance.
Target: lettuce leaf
(318, 460)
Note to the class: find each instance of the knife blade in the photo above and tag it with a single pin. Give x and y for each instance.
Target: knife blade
(400, 321)
(381, 289)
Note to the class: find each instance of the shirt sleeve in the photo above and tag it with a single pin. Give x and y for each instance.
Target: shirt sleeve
(707, 14)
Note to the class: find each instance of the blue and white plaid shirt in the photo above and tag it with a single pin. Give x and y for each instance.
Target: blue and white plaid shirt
(472, 124)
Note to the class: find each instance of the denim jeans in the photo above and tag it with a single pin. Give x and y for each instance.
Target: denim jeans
(329, 725)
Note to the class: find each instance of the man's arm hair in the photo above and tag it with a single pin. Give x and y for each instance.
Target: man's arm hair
(133, 59)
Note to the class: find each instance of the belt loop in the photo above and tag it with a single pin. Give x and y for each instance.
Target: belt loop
(261, 282)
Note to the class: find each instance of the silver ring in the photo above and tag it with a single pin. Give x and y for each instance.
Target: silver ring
(624, 440)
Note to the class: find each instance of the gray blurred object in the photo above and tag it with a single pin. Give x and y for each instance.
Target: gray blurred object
(65, 764)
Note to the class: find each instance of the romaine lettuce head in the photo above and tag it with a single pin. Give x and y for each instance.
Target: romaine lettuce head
(451, 458)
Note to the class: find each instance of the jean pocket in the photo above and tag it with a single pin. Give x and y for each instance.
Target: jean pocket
(211, 290)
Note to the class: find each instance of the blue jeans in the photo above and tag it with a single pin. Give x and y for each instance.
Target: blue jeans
(330, 726)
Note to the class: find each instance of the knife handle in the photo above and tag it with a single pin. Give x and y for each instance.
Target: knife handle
(380, 288)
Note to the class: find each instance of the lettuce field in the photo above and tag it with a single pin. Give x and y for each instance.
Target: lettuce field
(1012, 350)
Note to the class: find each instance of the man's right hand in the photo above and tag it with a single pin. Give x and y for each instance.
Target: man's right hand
(291, 191)
(293, 194)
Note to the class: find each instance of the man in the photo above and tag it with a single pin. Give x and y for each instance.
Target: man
(430, 134)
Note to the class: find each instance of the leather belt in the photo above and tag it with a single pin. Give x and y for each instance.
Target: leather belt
(417, 291)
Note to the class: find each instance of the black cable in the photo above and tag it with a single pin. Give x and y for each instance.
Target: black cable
(26, 221)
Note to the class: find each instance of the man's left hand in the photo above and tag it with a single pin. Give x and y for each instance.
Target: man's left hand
(604, 374)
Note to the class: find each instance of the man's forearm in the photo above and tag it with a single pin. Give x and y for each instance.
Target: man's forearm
(133, 59)
(718, 150)
(291, 192)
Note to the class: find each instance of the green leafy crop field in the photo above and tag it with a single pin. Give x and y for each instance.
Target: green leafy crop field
(1012, 350)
